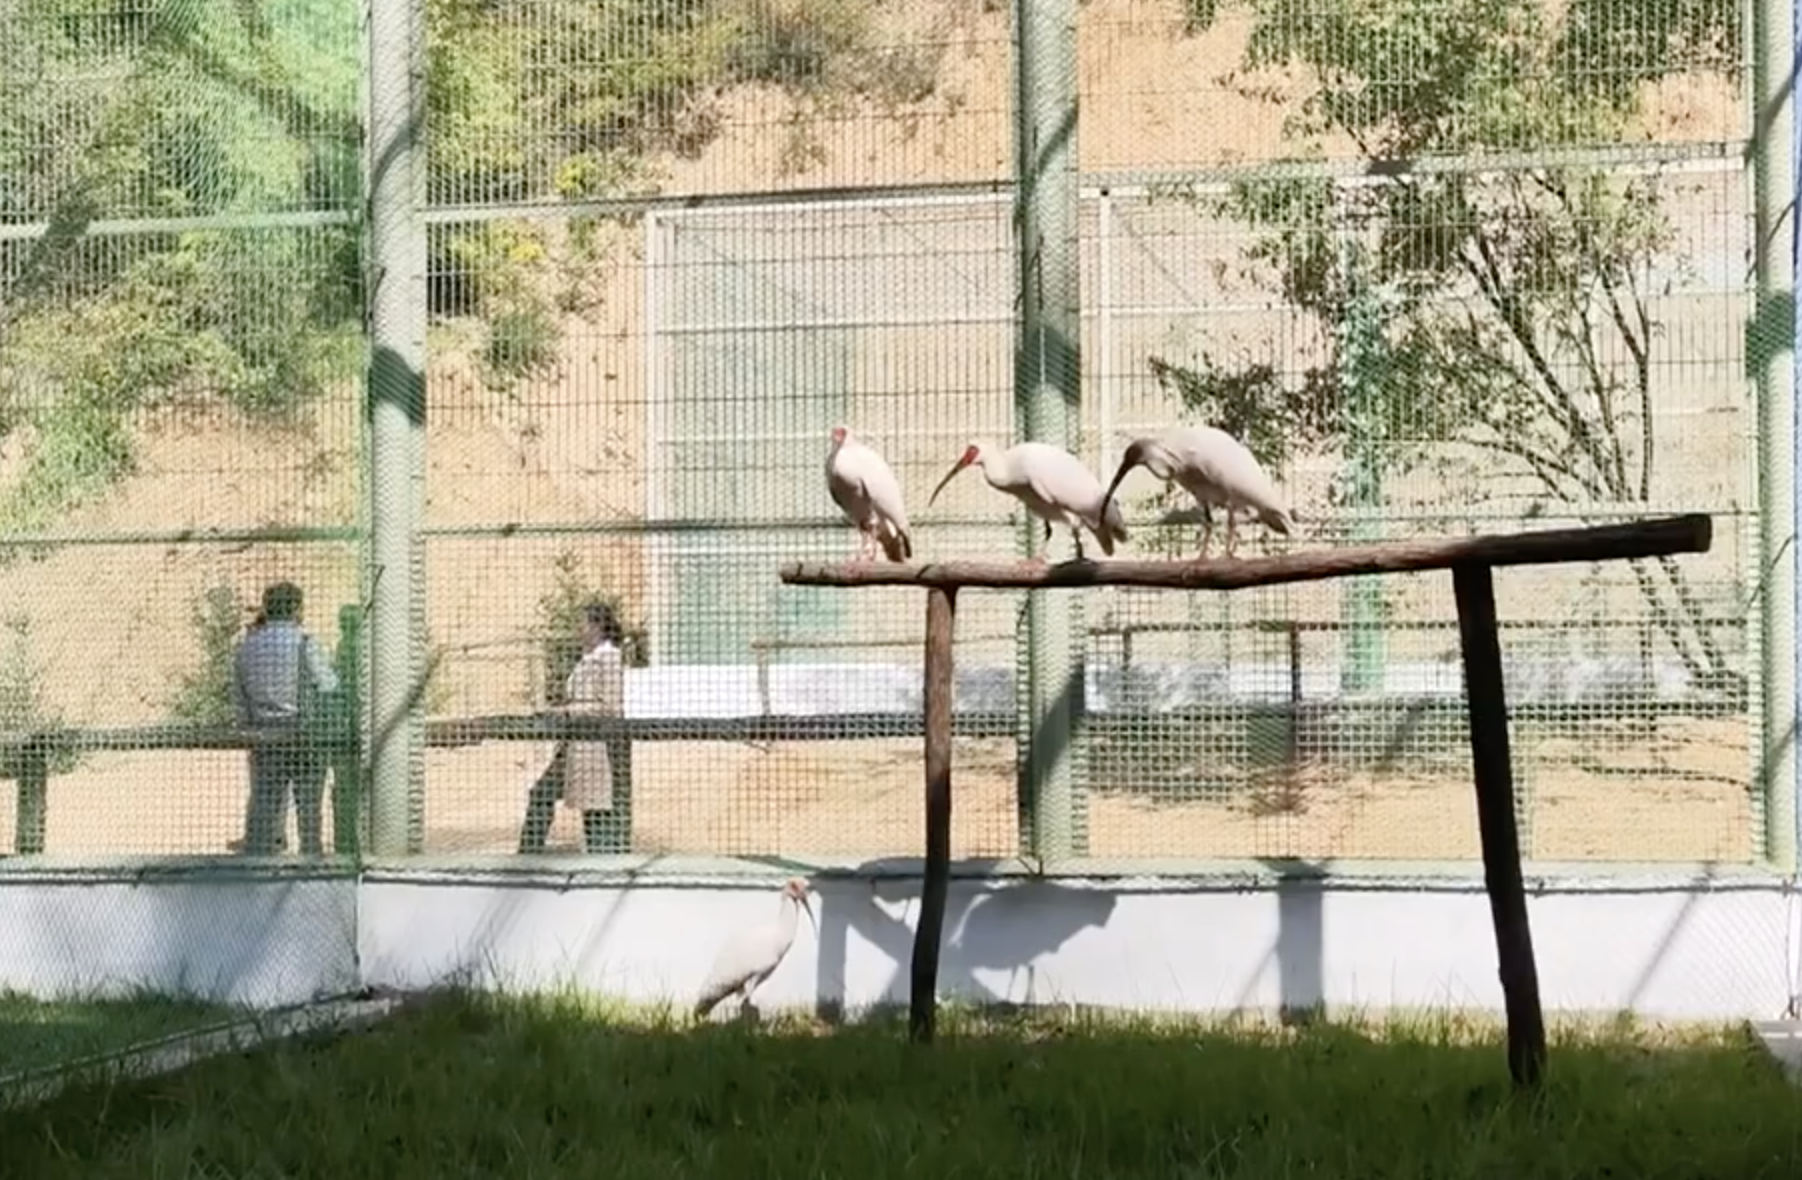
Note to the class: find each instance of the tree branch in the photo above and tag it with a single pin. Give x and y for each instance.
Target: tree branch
(1515, 318)
(1604, 386)
(1639, 347)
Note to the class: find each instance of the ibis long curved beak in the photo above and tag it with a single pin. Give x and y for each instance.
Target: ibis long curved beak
(1127, 463)
(811, 920)
(956, 467)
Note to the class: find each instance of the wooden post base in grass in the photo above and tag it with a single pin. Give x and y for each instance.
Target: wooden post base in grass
(1493, 772)
(941, 616)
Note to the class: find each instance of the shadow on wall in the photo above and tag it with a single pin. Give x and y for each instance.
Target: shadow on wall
(225, 938)
(997, 934)
(994, 935)
(1299, 950)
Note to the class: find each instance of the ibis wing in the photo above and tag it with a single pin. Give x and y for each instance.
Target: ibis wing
(844, 491)
(883, 489)
(736, 964)
(1236, 471)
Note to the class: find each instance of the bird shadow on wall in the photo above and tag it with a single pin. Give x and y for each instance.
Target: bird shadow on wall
(995, 934)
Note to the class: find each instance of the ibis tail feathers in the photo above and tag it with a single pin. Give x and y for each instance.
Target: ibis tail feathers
(713, 993)
(897, 545)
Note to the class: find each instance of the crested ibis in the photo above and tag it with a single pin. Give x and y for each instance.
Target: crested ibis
(752, 956)
(1217, 469)
(1052, 483)
(864, 487)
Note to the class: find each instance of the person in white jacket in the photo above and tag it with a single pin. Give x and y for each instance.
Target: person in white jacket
(582, 773)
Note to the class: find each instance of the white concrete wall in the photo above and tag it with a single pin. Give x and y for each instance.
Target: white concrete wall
(1721, 947)
(1663, 949)
(803, 690)
(230, 938)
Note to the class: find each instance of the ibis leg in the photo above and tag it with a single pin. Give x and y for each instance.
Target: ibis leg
(923, 998)
(1207, 531)
(1488, 704)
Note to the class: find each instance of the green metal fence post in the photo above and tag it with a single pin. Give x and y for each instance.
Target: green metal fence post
(396, 408)
(1773, 176)
(1360, 348)
(1047, 401)
(348, 800)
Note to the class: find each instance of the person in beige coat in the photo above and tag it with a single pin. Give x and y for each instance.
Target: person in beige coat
(581, 773)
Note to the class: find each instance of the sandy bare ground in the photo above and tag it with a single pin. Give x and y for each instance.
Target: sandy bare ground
(1676, 795)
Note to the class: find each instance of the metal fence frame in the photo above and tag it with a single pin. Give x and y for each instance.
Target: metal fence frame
(1045, 83)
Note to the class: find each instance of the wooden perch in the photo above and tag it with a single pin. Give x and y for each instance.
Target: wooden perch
(1609, 542)
(1471, 560)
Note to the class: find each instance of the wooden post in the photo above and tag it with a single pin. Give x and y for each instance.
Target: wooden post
(941, 607)
(1488, 705)
(33, 801)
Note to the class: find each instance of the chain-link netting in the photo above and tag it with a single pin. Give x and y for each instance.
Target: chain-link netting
(182, 350)
(671, 245)
(1534, 316)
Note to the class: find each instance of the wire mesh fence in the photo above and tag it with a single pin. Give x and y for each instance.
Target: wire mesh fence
(671, 245)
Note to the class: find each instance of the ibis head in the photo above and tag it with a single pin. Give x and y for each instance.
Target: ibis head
(795, 888)
(973, 456)
(1143, 452)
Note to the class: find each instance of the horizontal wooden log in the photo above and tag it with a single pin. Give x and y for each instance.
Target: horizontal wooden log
(1137, 726)
(524, 727)
(1611, 542)
(755, 728)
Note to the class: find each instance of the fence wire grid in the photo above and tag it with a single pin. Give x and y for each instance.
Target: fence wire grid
(670, 245)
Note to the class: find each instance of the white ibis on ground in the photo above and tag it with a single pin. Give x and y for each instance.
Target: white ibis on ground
(863, 486)
(752, 956)
(1053, 484)
(1214, 467)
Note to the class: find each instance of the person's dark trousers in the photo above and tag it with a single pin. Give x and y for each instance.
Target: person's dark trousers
(541, 803)
(610, 832)
(276, 769)
(602, 831)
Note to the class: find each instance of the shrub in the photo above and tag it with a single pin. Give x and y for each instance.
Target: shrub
(25, 705)
(204, 695)
(558, 630)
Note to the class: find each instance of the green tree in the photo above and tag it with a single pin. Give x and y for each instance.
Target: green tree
(26, 706)
(202, 108)
(204, 695)
(559, 625)
(1516, 314)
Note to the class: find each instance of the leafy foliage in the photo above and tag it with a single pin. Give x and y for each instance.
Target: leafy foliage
(578, 100)
(559, 626)
(166, 111)
(25, 705)
(1511, 313)
(115, 110)
(203, 696)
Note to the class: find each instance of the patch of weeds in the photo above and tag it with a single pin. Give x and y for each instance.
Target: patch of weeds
(203, 696)
(521, 341)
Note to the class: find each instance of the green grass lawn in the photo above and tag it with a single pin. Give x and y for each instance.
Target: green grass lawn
(551, 1088)
(38, 1034)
